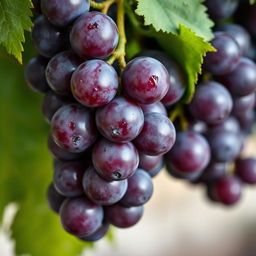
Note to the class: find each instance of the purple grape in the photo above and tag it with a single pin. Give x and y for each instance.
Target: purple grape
(230, 125)
(62, 12)
(60, 153)
(228, 190)
(48, 40)
(198, 126)
(123, 217)
(54, 199)
(94, 35)
(154, 172)
(156, 107)
(51, 103)
(68, 178)
(190, 153)
(242, 80)
(36, 6)
(98, 234)
(59, 71)
(220, 9)
(211, 103)
(226, 58)
(245, 169)
(243, 104)
(239, 33)
(140, 189)
(121, 120)
(81, 217)
(73, 128)
(115, 161)
(146, 80)
(149, 163)
(94, 83)
(101, 191)
(246, 121)
(35, 74)
(157, 136)
(213, 172)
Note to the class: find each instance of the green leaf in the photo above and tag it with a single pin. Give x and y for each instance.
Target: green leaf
(14, 19)
(188, 49)
(252, 1)
(26, 167)
(166, 15)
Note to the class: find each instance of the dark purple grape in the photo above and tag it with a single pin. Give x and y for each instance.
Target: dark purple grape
(242, 80)
(225, 145)
(36, 6)
(59, 71)
(94, 83)
(115, 161)
(73, 128)
(245, 169)
(190, 153)
(226, 58)
(154, 172)
(220, 9)
(51, 103)
(198, 126)
(98, 234)
(54, 199)
(68, 178)
(47, 39)
(156, 107)
(81, 217)
(94, 35)
(251, 20)
(243, 104)
(59, 153)
(62, 12)
(101, 191)
(123, 217)
(228, 190)
(246, 121)
(35, 74)
(121, 120)
(213, 172)
(157, 136)
(230, 125)
(146, 80)
(149, 163)
(140, 189)
(211, 103)
(239, 33)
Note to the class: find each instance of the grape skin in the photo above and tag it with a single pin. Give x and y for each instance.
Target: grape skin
(156, 107)
(245, 169)
(54, 198)
(149, 163)
(98, 234)
(230, 125)
(243, 104)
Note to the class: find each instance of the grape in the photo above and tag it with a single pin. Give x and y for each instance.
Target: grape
(101, 191)
(94, 35)
(59, 71)
(226, 58)
(94, 83)
(198, 126)
(123, 217)
(54, 199)
(121, 120)
(157, 136)
(36, 6)
(73, 128)
(154, 172)
(68, 178)
(243, 104)
(239, 33)
(156, 107)
(146, 80)
(230, 125)
(242, 80)
(35, 74)
(115, 161)
(149, 163)
(246, 121)
(98, 234)
(62, 12)
(60, 153)
(51, 103)
(140, 189)
(251, 20)
(211, 103)
(81, 217)
(47, 39)
(225, 145)
(220, 9)
(246, 170)
(228, 190)
(190, 153)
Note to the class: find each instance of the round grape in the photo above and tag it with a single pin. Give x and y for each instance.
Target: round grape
(54, 199)
(246, 170)
(156, 107)
(98, 234)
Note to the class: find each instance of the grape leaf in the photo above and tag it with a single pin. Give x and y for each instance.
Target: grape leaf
(14, 19)
(167, 16)
(188, 49)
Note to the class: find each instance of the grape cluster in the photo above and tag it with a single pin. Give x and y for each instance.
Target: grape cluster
(107, 141)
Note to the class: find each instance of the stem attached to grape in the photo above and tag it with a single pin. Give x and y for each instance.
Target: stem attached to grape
(178, 112)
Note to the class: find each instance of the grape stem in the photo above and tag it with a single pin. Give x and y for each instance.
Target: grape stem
(104, 6)
(178, 112)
